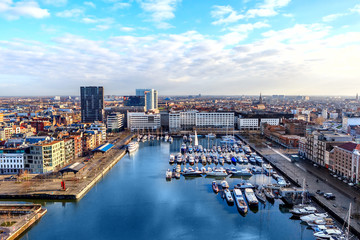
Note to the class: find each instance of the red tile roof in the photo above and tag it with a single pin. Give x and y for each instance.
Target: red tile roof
(350, 146)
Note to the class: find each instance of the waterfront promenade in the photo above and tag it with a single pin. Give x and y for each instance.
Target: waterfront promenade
(316, 179)
(48, 187)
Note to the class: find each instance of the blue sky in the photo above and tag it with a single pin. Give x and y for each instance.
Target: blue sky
(51, 47)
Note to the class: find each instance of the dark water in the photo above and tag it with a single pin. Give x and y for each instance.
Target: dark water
(134, 201)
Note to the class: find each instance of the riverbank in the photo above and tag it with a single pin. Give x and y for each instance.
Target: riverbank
(295, 174)
(77, 185)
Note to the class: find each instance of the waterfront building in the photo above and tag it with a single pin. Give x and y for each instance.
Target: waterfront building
(143, 121)
(115, 121)
(151, 98)
(12, 160)
(345, 160)
(69, 150)
(278, 134)
(78, 147)
(45, 157)
(254, 120)
(101, 128)
(215, 121)
(5, 133)
(320, 143)
(92, 104)
(202, 121)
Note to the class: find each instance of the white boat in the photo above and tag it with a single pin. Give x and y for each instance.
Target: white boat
(328, 234)
(172, 159)
(211, 135)
(313, 217)
(251, 198)
(192, 173)
(168, 175)
(228, 196)
(217, 172)
(191, 160)
(244, 172)
(224, 184)
(240, 201)
(300, 211)
(132, 147)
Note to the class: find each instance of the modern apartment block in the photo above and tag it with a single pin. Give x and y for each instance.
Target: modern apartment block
(12, 160)
(115, 121)
(143, 121)
(320, 143)
(212, 121)
(151, 98)
(345, 161)
(45, 157)
(92, 104)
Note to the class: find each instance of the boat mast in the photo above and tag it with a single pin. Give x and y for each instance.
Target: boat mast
(303, 193)
(348, 227)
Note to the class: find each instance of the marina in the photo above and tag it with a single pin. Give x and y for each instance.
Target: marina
(184, 208)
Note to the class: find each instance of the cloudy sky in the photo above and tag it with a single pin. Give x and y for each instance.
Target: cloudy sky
(235, 47)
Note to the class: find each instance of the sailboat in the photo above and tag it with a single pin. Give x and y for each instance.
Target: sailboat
(196, 143)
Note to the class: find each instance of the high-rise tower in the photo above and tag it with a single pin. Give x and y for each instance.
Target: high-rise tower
(92, 104)
(151, 98)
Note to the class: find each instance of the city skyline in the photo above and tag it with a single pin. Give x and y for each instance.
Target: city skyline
(180, 47)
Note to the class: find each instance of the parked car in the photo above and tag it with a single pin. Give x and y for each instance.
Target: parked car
(11, 178)
(320, 192)
(329, 196)
(350, 184)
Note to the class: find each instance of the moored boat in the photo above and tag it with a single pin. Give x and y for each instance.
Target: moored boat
(240, 201)
(228, 196)
(215, 187)
(132, 147)
(251, 198)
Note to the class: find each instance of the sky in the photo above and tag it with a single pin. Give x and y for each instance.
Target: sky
(180, 47)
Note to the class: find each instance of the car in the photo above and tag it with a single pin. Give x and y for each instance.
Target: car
(335, 176)
(340, 178)
(315, 165)
(345, 181)
(350, 184)
(11, 178)
(329, 196)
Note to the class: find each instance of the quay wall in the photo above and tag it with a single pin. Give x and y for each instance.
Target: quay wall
(36, 217)
(314, 198)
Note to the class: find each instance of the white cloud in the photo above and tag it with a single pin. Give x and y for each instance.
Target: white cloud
(75, 12)
(248, 27)
(14, 10)
(268, 8)
(90, 4)
(127, 29)
(56, 3)
(101, 27)
(332, 17)
(160, 11)
(355, 9)
(225, 15)
(120, 5)
(213, 65)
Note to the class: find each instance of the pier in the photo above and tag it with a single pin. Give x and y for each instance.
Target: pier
(49, 187)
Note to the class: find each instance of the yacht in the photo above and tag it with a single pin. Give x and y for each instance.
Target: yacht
(203, 159)
(240, 201)
(313, 217)
(217, 172)
(245, 172)
(215, 187)
(192, 173)
(228, 196)
(269, 194)
(260, 195)
(328, 234)
(300, 211)
(251, 198)
(172, 159)
(211, 135)
(183, 148)
(168, 175)
(191, 160)
(224, 184)
(132, 147)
